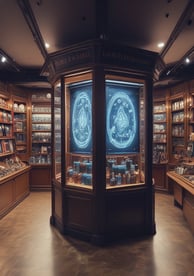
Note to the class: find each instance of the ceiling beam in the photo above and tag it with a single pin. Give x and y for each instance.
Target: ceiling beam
(183, 20)
(32, 24)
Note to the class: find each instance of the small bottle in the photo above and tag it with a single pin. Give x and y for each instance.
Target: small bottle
(113, 179)
(128, 177)
(119, 180)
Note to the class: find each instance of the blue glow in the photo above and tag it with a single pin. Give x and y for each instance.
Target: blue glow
(122, 117)
(81, 117)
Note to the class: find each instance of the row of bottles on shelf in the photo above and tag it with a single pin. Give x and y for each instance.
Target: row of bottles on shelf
(40, 159)
(5, 116)
(159, 117)
(159, 108)
(19, 107)
(179, 104)
(41, 109)
(178, 117)
(80, 172)
(5, 130)
(41, 137)
(159, 138)
(126, 172)
(44, 118)
(159, 127)
(178, 130)
(41, 154)
(41, 127)
(4, 103)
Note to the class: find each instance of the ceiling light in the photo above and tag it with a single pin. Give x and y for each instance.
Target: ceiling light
(187, 60)
(161, 45)
(3, 59)
(47, 45)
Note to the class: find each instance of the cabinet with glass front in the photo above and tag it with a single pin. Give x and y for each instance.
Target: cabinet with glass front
(159, 133)
(102, 187)
(57, 132)
(178, 126)
(40, 159)
(6, 127)
(41, 128)
(10, 164)
(20, 117)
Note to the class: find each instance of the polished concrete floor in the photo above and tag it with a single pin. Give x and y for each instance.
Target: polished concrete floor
(29, 246)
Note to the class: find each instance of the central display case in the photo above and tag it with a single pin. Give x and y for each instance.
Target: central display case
(102, 142)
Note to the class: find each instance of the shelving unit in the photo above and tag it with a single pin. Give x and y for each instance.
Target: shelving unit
(40, 158)
(191, 115)
(160, 133)
(178, 125)
(57, 131)
(20, 117)
(160, 139)
(14, 174)
(6, 127)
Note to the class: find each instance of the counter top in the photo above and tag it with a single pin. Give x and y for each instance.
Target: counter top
(182, 180)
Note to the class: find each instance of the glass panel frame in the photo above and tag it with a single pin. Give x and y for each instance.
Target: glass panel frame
(57, 132)
(125, 130)
(78, 131)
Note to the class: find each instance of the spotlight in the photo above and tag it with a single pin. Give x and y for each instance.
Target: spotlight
(3, 59)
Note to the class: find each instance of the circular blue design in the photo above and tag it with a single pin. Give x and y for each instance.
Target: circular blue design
(121, 120)
(81, 120)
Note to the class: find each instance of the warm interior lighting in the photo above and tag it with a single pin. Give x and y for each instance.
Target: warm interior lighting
(3, 59)
(47, 45)
(161, 45)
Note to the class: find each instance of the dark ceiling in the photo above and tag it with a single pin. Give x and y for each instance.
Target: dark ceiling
(26, 25)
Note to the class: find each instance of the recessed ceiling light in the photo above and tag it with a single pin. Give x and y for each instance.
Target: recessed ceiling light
(47, 45)
(161, 45)
(3, 59)
(187, 60)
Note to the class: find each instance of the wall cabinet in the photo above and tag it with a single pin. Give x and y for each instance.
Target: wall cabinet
(172, 129)
(160, 139)
(40, 158)
(14, 178)
(178, 125)
(21, 126)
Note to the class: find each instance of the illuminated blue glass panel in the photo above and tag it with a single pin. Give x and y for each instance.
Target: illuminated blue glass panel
(81, 117)
(122, 118)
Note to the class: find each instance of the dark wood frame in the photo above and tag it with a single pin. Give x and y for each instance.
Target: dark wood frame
(101, 215)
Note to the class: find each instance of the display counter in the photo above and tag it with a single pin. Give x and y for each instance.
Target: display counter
(14, 187)
(183, 185)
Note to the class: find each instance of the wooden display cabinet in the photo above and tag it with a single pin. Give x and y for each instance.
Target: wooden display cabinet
(160, 139)
(21, 126)
(191, 116)
(40, 159)
(178, 122)
(14, 174)
(105, 110)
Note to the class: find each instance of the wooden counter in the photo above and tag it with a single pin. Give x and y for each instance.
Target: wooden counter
(13, 189)
(183, 195)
